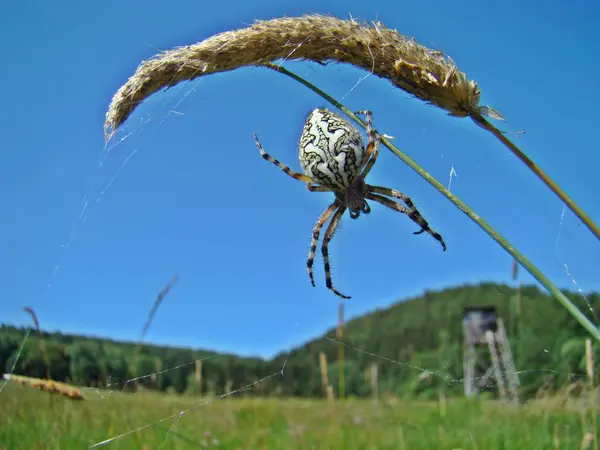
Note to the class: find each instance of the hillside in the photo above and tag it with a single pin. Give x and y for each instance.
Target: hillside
(417, 345)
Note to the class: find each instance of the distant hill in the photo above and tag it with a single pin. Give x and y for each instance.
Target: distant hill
(416, 344)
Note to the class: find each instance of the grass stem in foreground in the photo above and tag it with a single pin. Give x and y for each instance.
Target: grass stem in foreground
(483, 123)
(504, 243)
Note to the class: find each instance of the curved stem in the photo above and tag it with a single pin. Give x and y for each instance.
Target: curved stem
(483, 123)
(504, 243)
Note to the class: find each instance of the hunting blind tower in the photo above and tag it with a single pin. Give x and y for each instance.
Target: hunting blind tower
(487, 353)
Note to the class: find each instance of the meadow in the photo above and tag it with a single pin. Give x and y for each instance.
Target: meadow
(31, 419)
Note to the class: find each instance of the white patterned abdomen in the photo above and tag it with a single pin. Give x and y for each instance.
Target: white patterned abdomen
(331, 149)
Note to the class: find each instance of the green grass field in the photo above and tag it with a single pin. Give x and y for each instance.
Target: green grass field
(30, 419)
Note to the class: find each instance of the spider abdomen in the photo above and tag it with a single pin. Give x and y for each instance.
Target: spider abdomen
(331, 149)
(336, 160)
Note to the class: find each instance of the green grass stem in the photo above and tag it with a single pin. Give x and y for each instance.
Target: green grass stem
(483, 123)
(502, 241)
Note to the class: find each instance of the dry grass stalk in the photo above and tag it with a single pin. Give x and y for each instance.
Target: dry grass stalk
(587, 440)
(589, 364)
(29, 310)
(159, 298)
(373, 379)
(589, 361)
(34, 318)
(339, 334)
(427, 74)
(198, 373)
(327, 388)
(51, 386)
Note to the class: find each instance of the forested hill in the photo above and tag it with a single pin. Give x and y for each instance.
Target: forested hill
(406, 341)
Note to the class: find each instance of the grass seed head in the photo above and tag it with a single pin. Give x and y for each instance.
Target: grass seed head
(424, 73)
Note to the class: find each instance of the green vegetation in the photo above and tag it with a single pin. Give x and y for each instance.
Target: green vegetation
(37, 420)
(410, 338)
(416, 344)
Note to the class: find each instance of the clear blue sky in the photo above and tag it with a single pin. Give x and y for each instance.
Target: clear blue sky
(197, 200)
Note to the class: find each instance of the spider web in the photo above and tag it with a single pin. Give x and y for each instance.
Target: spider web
(166, 108)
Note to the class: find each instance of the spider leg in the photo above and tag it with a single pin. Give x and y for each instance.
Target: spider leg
(325, 250)
(324, 217)
(372, 150)
(411, 212)
(393, 193)
(286, 169)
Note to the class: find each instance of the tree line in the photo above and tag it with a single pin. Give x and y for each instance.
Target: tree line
(416, 344)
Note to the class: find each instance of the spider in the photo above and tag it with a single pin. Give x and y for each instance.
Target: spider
(334, 159)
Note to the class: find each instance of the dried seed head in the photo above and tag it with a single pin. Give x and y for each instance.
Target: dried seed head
(422, 72)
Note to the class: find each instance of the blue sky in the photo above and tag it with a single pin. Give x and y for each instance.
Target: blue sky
(190, 194)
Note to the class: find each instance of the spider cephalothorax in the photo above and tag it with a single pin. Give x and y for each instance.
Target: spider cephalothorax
(334, 159)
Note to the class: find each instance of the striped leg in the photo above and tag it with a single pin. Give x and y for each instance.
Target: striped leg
(324, 217)
(325, 250)
(372, 146)
(394, 193)
(282, 166)
(412, 213)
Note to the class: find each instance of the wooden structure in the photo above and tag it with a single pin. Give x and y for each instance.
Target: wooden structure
(487, 354)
